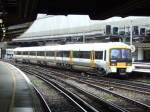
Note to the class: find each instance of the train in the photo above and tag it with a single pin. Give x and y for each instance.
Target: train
(101, 58)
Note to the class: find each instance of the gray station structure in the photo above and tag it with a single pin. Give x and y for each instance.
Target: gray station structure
(48, 30)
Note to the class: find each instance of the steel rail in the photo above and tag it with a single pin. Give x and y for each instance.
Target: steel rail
(112, 106)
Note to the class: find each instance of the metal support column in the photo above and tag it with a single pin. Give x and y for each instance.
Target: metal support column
(131, 34)
(83, 38)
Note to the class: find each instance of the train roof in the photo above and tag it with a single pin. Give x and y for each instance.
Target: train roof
(86, 46)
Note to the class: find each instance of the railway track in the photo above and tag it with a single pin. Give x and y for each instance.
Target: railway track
(128, 104)
(23, 89)
(61, 101)
(88, 101)
(42, 100)
(135, 86)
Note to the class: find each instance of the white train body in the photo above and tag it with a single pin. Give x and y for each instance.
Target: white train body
(113, 57)
(9, 54)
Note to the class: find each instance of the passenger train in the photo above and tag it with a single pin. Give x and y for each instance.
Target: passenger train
(102, 58)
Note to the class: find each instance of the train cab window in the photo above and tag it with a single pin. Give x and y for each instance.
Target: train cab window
(120, 54)
(98, 54)
(115, 54)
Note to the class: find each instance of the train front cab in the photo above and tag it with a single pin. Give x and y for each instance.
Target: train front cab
(120, 60)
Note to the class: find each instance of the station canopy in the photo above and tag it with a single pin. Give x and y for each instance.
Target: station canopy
(49, 26)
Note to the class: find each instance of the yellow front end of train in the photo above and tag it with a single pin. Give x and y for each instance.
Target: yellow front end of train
(120, 60)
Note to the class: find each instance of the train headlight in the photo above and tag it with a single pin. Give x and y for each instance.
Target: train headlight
(113, 64)
(129, 64)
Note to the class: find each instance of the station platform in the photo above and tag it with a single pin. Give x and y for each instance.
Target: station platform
(16, 94)
(143, 67)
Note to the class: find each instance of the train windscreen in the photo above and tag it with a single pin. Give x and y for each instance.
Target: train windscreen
(120, 54)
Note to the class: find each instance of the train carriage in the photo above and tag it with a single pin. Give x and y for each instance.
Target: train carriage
(103, 58)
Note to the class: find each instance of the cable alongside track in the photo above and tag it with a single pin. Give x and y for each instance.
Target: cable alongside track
(129, 105)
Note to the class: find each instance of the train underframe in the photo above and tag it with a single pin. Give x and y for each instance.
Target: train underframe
(110, 70)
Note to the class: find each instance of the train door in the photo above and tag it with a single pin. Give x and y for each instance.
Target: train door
(71, 57)
(92, 58)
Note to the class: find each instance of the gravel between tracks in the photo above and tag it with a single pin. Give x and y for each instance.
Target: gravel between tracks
(55, 100)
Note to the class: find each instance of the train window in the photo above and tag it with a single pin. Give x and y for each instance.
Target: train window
(76, 54)
(50, 53)
(18, 52)
(40, 53)
(66, 53)
(25, 53)
(105, 55)
(98, 54)
(81, 54)
(85, 54)
(59, 53)
(33, 53)
(55, 53)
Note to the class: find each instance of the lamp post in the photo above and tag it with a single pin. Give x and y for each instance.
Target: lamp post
(83, 38)
(131, 34)
(131, 39)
